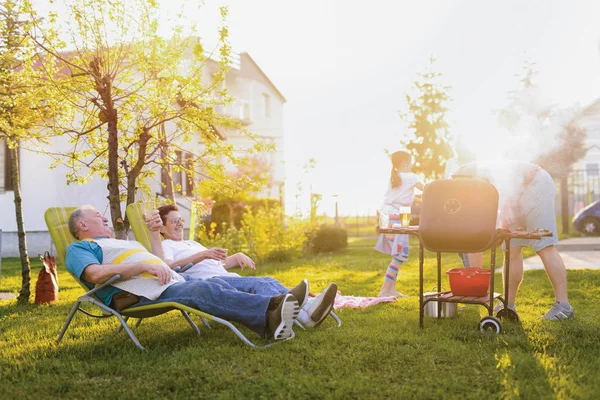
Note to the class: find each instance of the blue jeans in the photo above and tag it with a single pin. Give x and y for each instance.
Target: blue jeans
(264, 285)
(220, 299)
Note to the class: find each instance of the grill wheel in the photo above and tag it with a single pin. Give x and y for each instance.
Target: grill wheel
(490, 324)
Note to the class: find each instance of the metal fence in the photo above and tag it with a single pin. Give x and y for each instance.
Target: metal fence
(583, 188)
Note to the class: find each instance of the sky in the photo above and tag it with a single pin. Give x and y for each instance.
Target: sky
(345, 67)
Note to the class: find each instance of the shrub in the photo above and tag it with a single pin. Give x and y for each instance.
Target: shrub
(227, 238)
(232, 212)
(329, 238)
(262, 235)
(267, 236)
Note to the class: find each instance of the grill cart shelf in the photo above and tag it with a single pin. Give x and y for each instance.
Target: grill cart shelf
(489, 322)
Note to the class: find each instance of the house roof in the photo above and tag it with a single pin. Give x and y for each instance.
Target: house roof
(246, 56)
(592, 109)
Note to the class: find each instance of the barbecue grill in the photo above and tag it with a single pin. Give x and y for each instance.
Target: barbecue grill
(459, 216)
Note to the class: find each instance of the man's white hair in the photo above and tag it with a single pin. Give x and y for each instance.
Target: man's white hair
(74, 219)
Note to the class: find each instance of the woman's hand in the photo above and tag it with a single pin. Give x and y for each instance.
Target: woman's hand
(240, 259)
(214, 253)
(153, 221)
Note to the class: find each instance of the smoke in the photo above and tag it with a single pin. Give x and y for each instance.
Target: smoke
(531, 125)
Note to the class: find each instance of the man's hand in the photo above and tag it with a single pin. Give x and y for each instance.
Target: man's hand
(162, 272)
(242, 260)
(153, 221)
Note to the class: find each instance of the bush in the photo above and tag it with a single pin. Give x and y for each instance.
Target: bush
(267, 236)
(262, 235)
(329, 238)
(224, 237)
(232, 212)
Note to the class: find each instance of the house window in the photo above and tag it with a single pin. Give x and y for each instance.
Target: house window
(267, 105)
(182, 180)
(189, 181)
(592, 169)
(5, 168)
(245, 111)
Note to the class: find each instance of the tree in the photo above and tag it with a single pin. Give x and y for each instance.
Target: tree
(429, 140)
(569, 148)
(25, 102)
(140, 98)
(555, 141)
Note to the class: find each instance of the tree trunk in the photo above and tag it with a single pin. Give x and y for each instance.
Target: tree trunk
(25, 291)
(169, 193)
(114, 197)
(231, 207)
(134, 173)
(109, 114)
(167, 177)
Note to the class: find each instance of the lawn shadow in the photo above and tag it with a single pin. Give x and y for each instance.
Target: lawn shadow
(519, 366)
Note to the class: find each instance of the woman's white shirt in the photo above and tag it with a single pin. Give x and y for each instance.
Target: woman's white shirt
(179, 249)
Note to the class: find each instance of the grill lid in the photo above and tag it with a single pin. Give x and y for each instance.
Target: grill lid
(458, 215)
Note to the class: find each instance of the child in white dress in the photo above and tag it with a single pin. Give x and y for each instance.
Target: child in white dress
(400, 193)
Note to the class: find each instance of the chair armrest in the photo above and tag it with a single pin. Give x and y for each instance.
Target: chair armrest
(188, 266)
(106, 283)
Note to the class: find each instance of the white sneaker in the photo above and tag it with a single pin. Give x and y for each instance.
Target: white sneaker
(319, 308)
(281, 320)
(559, 312)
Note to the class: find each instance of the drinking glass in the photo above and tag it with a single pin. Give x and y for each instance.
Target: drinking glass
(147, 208)
(384, 220)
(222, 262)
(404, 213)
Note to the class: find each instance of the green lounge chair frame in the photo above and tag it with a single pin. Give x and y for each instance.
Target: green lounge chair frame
(135, 216)
(57, 221)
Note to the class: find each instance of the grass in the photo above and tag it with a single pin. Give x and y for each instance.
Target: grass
(379, 352)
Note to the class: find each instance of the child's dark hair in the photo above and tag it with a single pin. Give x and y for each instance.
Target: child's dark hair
(398, 158)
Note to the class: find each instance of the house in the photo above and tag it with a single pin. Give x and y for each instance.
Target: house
(258, 105)
(589, 119)
(584, 178)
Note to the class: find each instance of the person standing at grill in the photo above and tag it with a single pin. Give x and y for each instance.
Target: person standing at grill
(526, 200)
(400, 193)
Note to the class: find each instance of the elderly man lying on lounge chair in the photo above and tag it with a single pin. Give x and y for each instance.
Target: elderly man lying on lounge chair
(207, 265)
(148, 280)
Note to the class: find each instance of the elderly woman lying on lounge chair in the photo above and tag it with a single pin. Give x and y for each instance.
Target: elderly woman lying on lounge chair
(213, 264)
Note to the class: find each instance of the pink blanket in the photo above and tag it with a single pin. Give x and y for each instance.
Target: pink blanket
(356, 302)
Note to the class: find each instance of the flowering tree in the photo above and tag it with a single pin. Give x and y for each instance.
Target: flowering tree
(26, 104)
(139, 98)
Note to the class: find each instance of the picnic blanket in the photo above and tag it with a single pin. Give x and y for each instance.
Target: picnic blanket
(359, 302)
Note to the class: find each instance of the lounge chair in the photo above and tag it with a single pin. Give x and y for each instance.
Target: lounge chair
(57, 219)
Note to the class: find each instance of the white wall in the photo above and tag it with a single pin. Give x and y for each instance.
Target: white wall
(41, 188)
(591, 124)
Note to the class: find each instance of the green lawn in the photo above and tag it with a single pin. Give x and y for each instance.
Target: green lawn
(379, 352)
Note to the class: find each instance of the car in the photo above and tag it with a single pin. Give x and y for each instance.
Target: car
(587, 221)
